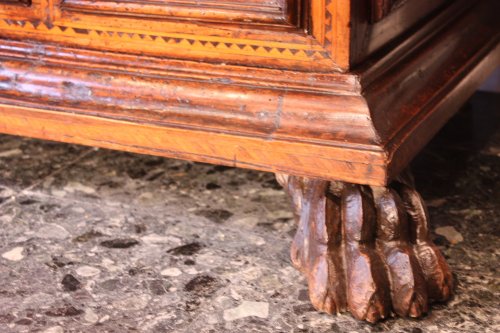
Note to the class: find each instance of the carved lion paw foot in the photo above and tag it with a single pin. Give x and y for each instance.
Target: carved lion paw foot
(366, 249)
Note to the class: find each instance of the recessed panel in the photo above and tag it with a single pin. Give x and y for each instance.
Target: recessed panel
(257, 11)
(19, 9)
(16, 2)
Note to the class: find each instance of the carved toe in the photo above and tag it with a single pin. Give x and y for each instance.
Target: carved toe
(436, 272)
(408, 286)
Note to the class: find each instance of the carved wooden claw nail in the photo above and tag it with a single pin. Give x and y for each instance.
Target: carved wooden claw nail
(366, 249)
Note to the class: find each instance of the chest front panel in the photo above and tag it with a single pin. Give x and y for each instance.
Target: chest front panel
(264, 33)
(311, 35)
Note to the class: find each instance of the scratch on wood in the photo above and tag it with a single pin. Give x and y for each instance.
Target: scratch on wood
(277, 117)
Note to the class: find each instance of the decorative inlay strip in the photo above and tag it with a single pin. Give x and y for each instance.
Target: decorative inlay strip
(329, 7)
(269, 49)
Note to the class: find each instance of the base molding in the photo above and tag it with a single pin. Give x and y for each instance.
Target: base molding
(362, 126)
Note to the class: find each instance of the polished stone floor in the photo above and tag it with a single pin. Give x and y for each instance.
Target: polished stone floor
(103, 241)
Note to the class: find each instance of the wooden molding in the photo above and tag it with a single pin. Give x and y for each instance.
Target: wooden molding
(362, 126)
(303, 35)
(260, 33)
(303, 53)
(334, 96)
(251, 11)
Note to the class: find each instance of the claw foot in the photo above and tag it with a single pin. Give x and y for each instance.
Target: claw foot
(366, 249)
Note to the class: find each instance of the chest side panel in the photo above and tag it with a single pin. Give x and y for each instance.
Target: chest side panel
(378, 23)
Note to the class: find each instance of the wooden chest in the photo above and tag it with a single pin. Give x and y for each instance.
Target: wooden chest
(321, 92)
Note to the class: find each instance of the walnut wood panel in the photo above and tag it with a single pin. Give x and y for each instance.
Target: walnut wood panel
(284, 45)
(273, 94)
(448, 64)
(389, 20)
(305, 159)
(256, 11)
(353, 30)
(382, 8)
(280, 46)
(322, 35)
(360, 127)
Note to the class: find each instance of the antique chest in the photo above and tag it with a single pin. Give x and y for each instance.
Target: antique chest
(334, 96)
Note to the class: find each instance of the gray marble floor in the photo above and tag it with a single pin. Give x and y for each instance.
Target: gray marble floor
(103, 241)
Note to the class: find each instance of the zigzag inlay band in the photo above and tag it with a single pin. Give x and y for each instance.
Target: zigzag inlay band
(257, 48)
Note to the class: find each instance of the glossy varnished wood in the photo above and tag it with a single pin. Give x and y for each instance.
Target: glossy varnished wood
(322, 35)
(366, 249)
(362, 127)
(256, 11)
(244, 33)
(335, 96)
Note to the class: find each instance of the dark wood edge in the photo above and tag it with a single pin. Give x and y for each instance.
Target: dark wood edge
(403, 148)
(450, 66)
(23, 3)
(392, 56)
(395, 25)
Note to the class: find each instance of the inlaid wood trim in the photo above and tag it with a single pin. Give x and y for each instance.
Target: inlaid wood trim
(335, 35)
(261, 45)
(331, 28)
(360, 127)
(310, 54)
(304, 159)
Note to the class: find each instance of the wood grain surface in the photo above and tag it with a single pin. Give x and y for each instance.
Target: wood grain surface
(365, 249)
(335, 96)
(362, 126)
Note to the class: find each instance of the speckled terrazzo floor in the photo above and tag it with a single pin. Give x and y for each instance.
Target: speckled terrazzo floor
(104, 241)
